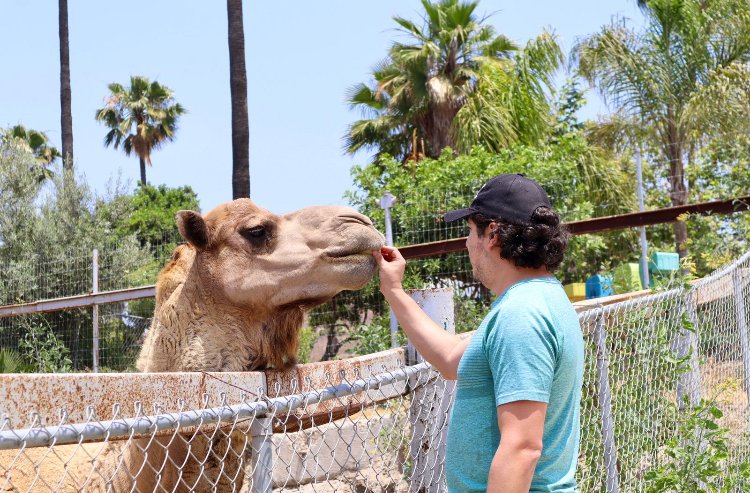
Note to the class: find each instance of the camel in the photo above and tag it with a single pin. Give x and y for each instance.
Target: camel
(233, 298)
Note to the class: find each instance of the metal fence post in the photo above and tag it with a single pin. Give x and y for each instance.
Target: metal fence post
(386, 203)
(689, 383)
(261, 459)
(644, 244)
(431, 402)
(95, 312)
(605, 404)
(739, 303)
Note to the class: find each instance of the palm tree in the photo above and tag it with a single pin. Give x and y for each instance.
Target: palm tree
(679, 82)
(38, 144)
(512, 99)
(66, 112)
(141, 118)
(422, 87)
(238, 87)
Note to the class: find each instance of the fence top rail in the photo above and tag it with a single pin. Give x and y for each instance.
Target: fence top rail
(99, 394)
(599, 224)
(79, 301)
(263, 407)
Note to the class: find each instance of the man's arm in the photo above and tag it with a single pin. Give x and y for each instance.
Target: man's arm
(521, 429)
(442, 349)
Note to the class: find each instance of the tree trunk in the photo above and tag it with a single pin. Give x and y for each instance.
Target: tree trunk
(678, 192)
(143, 171)
(66, 112)
(438, 131)
(238, 86)
(442, 109)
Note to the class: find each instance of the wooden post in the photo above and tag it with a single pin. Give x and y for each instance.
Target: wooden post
(605, 404)
(95, 312)
(739, 303)
(431, 403)
(261, 460)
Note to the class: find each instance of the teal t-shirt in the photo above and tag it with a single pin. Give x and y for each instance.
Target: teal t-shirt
(528, 347)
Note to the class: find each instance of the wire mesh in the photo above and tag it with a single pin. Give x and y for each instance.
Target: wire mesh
(122, 264)
(359, 433)
(649, 362)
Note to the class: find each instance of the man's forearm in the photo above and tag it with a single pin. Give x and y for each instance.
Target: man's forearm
(442, 349)
(512, 469)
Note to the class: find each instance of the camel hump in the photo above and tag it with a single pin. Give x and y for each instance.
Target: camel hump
(174, 273)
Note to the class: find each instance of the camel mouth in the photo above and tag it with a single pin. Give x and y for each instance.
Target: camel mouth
(349, 254)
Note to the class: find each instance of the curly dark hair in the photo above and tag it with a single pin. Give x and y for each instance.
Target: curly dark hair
(540, 242)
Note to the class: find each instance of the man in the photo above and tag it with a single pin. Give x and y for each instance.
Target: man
(515, 422)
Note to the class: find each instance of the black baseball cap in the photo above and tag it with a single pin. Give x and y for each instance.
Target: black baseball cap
(511, 197)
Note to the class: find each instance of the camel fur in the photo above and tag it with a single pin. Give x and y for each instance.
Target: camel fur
(233, 298)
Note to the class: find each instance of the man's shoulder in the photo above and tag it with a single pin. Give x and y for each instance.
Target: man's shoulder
(532, 296)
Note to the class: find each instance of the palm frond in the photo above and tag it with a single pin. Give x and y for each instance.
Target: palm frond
(140, 117)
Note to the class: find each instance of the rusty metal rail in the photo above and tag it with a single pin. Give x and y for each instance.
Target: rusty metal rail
(95, 430)
(599, 224)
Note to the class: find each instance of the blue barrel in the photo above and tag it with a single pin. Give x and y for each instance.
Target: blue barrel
(599, 285)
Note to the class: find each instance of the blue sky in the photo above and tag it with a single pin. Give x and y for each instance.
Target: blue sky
(301, 58)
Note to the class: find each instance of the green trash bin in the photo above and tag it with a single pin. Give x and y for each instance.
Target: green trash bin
(627, 278)
(662, 265)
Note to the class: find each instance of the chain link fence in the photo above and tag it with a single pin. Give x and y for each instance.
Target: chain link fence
(665, 386)
(67, 336)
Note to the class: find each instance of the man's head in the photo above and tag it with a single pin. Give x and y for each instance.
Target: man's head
(517, 212)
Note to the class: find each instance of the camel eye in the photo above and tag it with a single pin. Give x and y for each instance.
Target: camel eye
(255, 233)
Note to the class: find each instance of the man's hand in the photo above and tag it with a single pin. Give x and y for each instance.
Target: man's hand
(391, 264)
(441, 348)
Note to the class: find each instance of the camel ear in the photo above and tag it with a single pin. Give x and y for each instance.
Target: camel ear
(193, 228)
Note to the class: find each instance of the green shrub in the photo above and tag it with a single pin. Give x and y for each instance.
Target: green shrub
(43, 349)
(696, 456)
(375, 336)
(307, 338)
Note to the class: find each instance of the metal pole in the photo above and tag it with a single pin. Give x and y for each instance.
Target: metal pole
(739, 303)
(95, 312)
(432, 401)
(261, 461)
(605, 404)
(641, 208)
(386, 203)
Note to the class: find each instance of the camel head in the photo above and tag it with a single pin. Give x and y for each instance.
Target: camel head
(251, 258)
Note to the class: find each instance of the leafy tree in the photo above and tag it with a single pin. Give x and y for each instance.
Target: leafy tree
(47, 233)
(455, 84)
(140, 117)
(46, 352)
(571, 100)
(677, 84)
(511, 101)
(149, 214)
(238, 87)
(582, 182)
